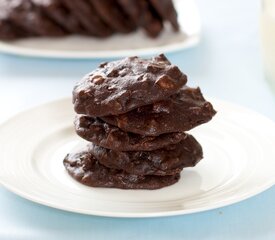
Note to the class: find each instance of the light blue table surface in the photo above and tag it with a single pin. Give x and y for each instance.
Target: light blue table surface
(226, 65)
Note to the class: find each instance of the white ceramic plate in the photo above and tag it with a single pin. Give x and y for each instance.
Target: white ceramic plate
(116, 46)
(238, 163)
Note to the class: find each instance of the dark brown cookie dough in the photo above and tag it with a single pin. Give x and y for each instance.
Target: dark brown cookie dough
(59, 14)
(111, 13)
(181, 112)
(120, 86)
(88, 17)
(166, 9)
(111, 137)
(84, 168)
(166, 161)
(24, 14)
(139, 12)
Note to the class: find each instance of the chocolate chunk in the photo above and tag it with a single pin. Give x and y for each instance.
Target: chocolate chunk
(108, 136)
(165, 161)
(127, 84)
(166, 9)
(84, 168)
(111, 13)
(88, 17)
(181, 112)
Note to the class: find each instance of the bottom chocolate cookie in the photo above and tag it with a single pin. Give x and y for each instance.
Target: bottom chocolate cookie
(84, 168)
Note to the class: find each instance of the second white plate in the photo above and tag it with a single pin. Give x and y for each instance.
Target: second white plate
(118, 45)
(238, 163)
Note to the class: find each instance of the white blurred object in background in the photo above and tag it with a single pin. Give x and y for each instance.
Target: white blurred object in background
(267, 20)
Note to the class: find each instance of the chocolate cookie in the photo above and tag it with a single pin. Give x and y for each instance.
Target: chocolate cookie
(181, 112)
(25, 15)
(152, 24)
(84, 167)
(9, 31)
(120, 86)
(132, 9)
(88, 17)
(111, 137)
(165, 161)
(140, 13)
(166, 9)
(58, 13)
(111, 13)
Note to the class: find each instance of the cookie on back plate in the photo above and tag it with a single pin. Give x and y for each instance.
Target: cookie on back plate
(25, 15)
(59, 14)
(166, 9)
(141, 15)
(88, 17)
(111, 13)
(8, 30)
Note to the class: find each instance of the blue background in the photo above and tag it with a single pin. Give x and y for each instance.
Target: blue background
(226, 65)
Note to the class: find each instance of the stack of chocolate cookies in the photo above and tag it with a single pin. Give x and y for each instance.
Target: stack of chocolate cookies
(98, 18)
(134, 112)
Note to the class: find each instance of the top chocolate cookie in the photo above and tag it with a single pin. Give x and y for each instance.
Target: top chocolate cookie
(120, 86)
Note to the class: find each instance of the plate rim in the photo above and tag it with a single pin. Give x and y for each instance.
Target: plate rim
(136, 215)
(257, 190)
(7, 48)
